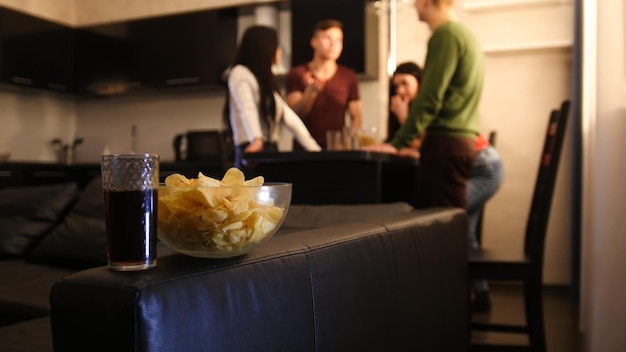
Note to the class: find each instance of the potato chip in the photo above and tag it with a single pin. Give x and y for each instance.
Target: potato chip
(214, 216)
(205, 181)
(257, 181)
(233, 177)
(176, 180)
(210, 214)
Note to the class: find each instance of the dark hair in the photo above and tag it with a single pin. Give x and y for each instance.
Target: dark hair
(257, 51)
(410, 68)
(327, 24)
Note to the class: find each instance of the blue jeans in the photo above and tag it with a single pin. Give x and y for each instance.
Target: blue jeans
(485, 178)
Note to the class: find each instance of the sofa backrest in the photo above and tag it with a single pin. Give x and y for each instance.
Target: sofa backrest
(394, 283)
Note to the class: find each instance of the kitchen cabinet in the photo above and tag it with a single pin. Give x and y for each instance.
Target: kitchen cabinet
(190, 49)
(35, 52)
(176, 50)
(103, 59)
(305, 14)
(185, 49)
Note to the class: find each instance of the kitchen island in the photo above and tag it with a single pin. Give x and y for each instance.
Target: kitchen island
(338, 177)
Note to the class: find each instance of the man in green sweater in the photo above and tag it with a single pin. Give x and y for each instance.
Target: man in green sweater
(445, 111)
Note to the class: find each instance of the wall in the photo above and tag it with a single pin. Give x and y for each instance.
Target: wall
(31, 120)
(106, 123)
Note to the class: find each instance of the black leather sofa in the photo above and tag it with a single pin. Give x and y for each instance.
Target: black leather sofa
(377, 277)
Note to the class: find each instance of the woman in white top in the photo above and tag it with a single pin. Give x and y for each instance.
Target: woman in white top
(256, 108)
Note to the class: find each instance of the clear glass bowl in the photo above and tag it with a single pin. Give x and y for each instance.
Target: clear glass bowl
(221, 222)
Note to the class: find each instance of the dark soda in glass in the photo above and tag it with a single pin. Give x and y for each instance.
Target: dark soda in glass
(131, 218)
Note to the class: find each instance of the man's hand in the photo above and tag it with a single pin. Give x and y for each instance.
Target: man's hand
(302, 102)
(312, 84)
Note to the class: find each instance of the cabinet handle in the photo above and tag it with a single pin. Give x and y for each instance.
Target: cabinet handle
(5, 173)
(50, 174)
(57, 87)
(23, 80)
(180, 81)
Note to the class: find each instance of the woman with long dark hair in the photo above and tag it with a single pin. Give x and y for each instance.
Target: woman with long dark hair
(404, 86)
(256, 109)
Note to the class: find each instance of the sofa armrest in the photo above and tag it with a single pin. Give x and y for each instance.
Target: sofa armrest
(358, 286)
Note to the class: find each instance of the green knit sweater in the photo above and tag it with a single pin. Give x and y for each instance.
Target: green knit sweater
(448, 98)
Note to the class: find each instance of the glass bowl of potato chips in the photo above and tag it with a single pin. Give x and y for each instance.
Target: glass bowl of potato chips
(211, 218)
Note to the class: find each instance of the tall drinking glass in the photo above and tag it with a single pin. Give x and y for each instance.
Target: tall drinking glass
(334, 140)
(130, 184)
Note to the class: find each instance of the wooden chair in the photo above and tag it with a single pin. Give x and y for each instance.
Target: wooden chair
(527, 265)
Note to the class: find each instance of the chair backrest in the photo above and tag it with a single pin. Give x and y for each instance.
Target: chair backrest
(201, 146)
(544, 187)
(204, 145)
(492, 137)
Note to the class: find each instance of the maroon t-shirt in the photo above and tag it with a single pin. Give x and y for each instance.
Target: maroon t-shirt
(329, 110)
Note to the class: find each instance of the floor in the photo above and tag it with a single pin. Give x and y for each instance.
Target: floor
(560, 314)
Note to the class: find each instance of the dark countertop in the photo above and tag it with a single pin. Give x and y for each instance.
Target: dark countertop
(324, 156)
(18, 173)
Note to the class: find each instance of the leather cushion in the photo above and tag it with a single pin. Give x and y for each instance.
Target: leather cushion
(34, 335)
(80, 241)
(28, 213)
(25, 289)
(315, 216)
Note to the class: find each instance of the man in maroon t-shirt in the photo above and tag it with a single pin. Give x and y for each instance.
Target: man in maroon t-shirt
(321, 91)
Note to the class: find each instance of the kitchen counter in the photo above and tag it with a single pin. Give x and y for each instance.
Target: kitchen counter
(339, 177)
(327, 177)
(19, 173)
